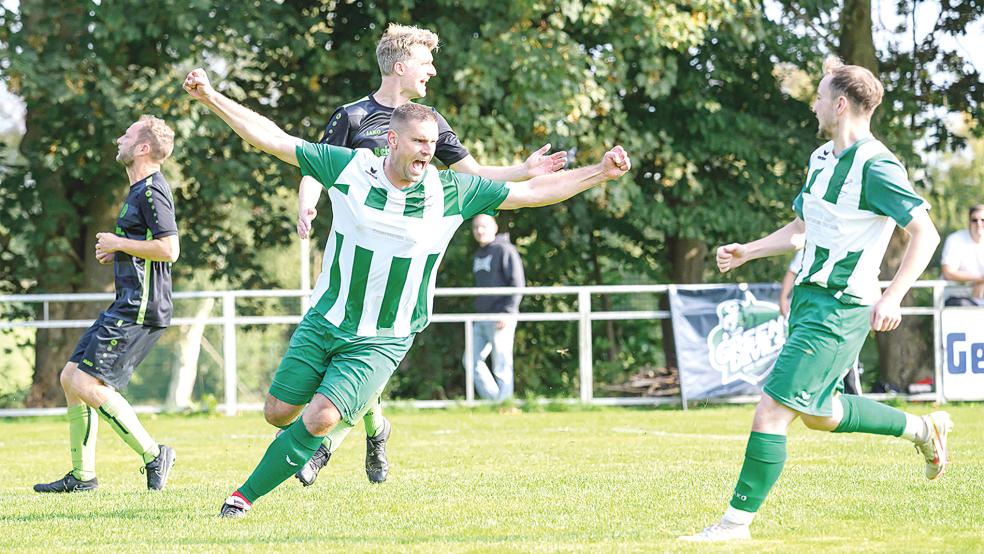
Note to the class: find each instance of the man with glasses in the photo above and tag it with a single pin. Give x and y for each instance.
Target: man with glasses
(963, 259)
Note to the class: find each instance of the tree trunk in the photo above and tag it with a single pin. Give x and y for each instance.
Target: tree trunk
(73, 213)
(606, 303)
(186, 366)
(905, 355)
(688, 257)
(53, 347)
(856, 44)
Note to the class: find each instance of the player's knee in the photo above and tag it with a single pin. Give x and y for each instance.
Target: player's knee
(819, 423)
(277, 413)
(67, 377)
(321, 417)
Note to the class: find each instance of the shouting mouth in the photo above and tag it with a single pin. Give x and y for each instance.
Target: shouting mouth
(418, 166)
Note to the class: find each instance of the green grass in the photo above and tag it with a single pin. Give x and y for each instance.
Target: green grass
(607, 480)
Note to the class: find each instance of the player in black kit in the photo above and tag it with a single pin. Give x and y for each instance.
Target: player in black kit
(406, 63)
(141, 249)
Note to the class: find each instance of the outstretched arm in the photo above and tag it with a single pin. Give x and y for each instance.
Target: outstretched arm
(557, 187)
(886, 314)
(251, 126)
(790, 237)
(539, 163)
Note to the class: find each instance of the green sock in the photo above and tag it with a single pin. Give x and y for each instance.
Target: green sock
(285, 455)
(374, 418)
(764, 457)
(121, 417)
(82, 427)
(334, 438)
(863, 415)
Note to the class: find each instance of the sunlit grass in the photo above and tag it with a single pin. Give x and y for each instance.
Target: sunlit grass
(479, 481)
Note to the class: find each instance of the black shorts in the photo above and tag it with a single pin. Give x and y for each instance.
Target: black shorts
(111, 348)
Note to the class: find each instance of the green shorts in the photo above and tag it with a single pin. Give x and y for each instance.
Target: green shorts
(825, 337)
(350, 370)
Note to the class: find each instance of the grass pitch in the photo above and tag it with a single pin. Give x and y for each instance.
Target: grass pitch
(612, 480)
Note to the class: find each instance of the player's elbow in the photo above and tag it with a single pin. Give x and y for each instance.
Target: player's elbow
(172, 249)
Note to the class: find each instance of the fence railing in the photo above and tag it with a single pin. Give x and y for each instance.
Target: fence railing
(584, 316)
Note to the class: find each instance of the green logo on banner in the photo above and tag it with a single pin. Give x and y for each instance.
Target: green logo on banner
(748, 337)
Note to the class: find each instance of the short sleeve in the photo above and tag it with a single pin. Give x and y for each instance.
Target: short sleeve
(886, 190)
(449, 149)
(337, 129)
(473, 194)
(798, 205)
(952, 251)
(157, 211)
(324, 162)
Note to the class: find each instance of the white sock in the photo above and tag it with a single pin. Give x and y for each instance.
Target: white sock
(738, 517)
(915, 428)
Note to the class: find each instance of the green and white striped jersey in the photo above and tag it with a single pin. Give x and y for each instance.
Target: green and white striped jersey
(851, 203)
(385, 244)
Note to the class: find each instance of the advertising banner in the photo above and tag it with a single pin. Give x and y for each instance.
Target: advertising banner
(727, 338)
(963, 343)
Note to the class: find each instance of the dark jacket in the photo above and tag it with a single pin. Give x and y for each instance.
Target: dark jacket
(497, 264)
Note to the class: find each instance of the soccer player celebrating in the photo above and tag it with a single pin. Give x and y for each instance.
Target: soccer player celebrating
(393, 218)
(855, 193)
(406, 63)
(141, 250)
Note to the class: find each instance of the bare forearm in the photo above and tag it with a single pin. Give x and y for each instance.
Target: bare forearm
(516, 172)
(157, 250)
(917, 256)
(958, 275)
(308, 193)
(790, 237)
(787, 284)
(555, 187)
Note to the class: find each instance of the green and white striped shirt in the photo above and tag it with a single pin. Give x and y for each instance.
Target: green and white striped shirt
(385, 245)
(851, 203)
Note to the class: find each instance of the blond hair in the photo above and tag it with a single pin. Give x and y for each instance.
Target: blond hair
(158, 135)
(397, 43)
(858, 84)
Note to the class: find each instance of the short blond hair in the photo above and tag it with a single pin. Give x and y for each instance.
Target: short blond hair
(857, 83)
(397, 43)
(158, 135)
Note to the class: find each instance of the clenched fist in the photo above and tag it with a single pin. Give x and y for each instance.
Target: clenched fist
(616, 163)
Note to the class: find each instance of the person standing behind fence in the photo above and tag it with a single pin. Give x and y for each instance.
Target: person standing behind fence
(141, 250)
(496, 263)
(963, 259)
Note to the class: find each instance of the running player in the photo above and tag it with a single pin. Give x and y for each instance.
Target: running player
(406, 63)
(393, 218)
(856, 192)
(141, 250)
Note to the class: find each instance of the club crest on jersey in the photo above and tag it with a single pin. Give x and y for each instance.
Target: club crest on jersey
(745, 342)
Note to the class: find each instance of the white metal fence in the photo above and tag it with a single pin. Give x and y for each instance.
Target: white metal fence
(584, 316)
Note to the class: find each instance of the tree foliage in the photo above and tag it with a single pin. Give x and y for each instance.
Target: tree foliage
(694, 90)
